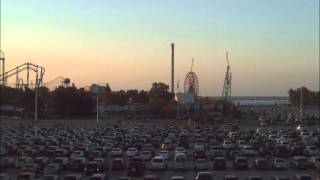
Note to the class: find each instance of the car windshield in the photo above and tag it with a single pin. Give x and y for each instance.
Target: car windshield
(158, 160)
(70, 178)
(96, 178)
(305, 178)
(205, 177)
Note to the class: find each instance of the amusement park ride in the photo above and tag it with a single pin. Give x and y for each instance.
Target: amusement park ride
(23, 78)
(226, 90)
(191, 82)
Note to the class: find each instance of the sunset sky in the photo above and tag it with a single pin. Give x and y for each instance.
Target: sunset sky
(273, 45)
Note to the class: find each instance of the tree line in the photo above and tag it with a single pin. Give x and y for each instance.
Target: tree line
(309, 98)
(77, 102)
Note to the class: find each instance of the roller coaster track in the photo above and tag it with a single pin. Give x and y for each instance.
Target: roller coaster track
(39, 71)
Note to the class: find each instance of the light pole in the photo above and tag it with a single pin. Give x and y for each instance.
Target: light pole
(301, 105)
(97, 106)
(36, 107)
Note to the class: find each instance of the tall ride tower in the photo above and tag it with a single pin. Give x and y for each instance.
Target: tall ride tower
(172, 68)
(226, 90)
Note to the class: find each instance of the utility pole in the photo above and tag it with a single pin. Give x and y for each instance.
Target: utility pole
(301, 105)
(36, 107)
(98, 106)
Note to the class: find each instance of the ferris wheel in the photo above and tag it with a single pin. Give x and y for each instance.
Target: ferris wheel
(191, 83)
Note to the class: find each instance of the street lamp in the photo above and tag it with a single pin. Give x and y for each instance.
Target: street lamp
(36, 107)
(301, 105)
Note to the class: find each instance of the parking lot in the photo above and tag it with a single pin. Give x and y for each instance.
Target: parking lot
(132, 150)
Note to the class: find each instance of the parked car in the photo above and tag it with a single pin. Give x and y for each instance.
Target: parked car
(5, 177)
(118, 164)
(7, 162)
(219, 163)
(116, 152)
(279, 163)
(101, 176)
(26, 176)
(201, 164)
(158, 163)
(73, 177)
(261, 164)
(52, 168)
(231, 177)
(299, 162)
(50, 177)
(302, 177)
(94, 167)
(136, 166)
(240, 163)
(150, 177)
(204, 176)
(132, 152)
(180, 162)
(146, 155)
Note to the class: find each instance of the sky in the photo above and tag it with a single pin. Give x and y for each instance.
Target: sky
(273, 45)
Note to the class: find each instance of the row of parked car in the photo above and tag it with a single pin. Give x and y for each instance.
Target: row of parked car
(139, 148)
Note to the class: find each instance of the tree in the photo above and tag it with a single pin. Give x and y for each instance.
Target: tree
(309, 98)
(70, 101)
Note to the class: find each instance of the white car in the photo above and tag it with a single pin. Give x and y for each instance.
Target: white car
(146, 155)
(164, 153)
(115, 152)
(279, 163)
(132, 152)
(158, 163)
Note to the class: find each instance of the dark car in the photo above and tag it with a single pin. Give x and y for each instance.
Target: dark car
(94, 167)
(265, 152)
(281, 177)
(219, 163)
(118, 164)
(261, 164)
(204, 176)
(302, 177)
(199, 154)
(231, 177)
(136, 166)
(78, 165)
(240, 163)
(150, 177)
(234, 153)
(281, 151)
(7, 162)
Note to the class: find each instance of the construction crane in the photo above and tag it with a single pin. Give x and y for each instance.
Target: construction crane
(226, 90)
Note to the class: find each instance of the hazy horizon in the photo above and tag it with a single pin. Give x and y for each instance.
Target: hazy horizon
(273, 45)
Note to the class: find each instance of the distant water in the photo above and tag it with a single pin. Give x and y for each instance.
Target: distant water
(258, 100)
